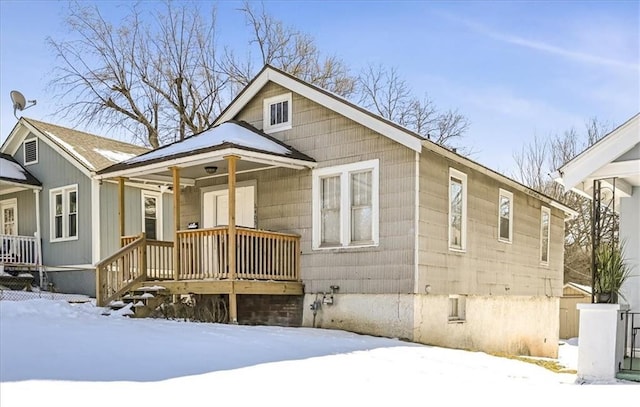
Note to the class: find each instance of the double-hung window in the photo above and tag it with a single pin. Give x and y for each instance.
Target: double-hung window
(151, 215)
(345, 205)
(545, 229)
(505, 216)
(457, 210)
(277, 113)
(63, 205)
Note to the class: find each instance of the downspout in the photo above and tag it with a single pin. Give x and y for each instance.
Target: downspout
(36, 193)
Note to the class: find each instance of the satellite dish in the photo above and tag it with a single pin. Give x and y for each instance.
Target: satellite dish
(19, 102)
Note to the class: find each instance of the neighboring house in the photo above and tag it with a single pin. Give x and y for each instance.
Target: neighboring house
(69, 209)
(613, 165)
(346, 220)
(572, 295)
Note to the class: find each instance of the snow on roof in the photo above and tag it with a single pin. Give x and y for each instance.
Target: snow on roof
(71, 150)
(114, 156)
(11, 169)
(228, 132)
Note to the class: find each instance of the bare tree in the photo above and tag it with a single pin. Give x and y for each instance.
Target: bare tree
(383, 91)
(287, 49)
(156, 77)
(541, 157)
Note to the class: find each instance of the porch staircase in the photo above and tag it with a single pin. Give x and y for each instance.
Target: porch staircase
(138, 302)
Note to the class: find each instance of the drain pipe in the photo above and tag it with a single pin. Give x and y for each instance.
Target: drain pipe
(315, 306)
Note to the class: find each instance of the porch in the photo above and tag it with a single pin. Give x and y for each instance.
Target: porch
(20, 255)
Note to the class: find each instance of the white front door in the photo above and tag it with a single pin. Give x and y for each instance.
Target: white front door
(215, 207)
(9, 217)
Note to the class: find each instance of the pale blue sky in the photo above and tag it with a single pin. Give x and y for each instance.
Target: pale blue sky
(515, 69)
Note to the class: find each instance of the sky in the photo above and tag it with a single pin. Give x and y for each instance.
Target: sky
(57, 354)
(515, 69)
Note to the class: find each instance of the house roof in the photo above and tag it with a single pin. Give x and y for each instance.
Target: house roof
(228, 135)
(579, 287)
(87, 151)
(377, 123)
(616, 155)
(12, 172)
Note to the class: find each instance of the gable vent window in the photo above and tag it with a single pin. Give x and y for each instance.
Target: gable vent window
(277, 113)
(30, 148)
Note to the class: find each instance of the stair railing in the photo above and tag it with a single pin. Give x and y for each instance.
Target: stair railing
(119, 272)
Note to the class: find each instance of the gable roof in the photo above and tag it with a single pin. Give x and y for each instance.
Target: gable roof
(13, 173)
(86, 151)
(232, 134)
(610, 157)
(377, 123)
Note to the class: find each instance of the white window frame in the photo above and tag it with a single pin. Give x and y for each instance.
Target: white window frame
(453, 173)
(65, 191)
(158, 197)
(461, 308)
(24, 151)
(545, 210)
(344, 172)
(266, 118)
(9, 203)
(508, 195)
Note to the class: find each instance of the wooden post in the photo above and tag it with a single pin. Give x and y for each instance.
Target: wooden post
(121, 207)
(176, 222)
(233, 304)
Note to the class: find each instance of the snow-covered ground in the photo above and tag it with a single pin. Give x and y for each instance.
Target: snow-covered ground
(57, 354)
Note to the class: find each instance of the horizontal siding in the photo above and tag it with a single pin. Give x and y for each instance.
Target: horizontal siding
(488, 267)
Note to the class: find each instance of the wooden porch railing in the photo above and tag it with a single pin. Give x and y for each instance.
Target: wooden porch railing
(20, 250)
(159, 257)
(260, 254)
(116, 274)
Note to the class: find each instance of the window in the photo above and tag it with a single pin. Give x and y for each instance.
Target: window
(152, 215)
(9, 216)
(457, 308)
(277, 113)
(30, 149)
(544, 235)
(63, 205)
(345, 205)
(505, 216)
(457, 210)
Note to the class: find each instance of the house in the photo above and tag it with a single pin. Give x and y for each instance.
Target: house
(58, 202)
(572, 295)
(339, 218)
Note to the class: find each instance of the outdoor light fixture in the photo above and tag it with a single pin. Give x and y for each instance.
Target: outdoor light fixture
(211, 169)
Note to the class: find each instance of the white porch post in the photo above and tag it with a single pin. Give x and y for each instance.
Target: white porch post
(175, 171)
(233, 304)
(36, 193)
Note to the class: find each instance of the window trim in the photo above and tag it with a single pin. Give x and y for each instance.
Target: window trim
(24, 151)
(158, 197)
(266, 116)
(344, 172)
(461, 309)
(543, 210)
(509, 195)
(65, 190)
(453, 173)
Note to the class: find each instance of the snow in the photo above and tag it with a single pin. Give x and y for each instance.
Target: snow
(11, 170)
(59, 354)
(71, 150)
(114, 156)
(223, 133)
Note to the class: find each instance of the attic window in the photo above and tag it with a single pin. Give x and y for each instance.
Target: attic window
(277, 113)
(30, 148)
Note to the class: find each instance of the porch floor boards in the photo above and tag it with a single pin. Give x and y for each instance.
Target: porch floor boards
(228, 286)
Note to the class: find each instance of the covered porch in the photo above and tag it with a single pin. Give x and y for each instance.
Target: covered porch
(221, 251)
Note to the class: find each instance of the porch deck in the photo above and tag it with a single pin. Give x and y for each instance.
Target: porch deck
(265, 262)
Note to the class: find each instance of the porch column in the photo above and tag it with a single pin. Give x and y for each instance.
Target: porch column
(176, 222)
(121, 207)
(233, 304)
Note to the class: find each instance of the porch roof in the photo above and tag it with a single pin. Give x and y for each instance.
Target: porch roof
(14, 177)
(228, 138)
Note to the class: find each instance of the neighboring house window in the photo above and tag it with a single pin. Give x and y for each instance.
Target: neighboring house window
(152, 215)
(30, 148)
(277, 113)
(457, 308)
(64, 213)
(505, 216)
(345, 205)
(457, 209)
(545, 220)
